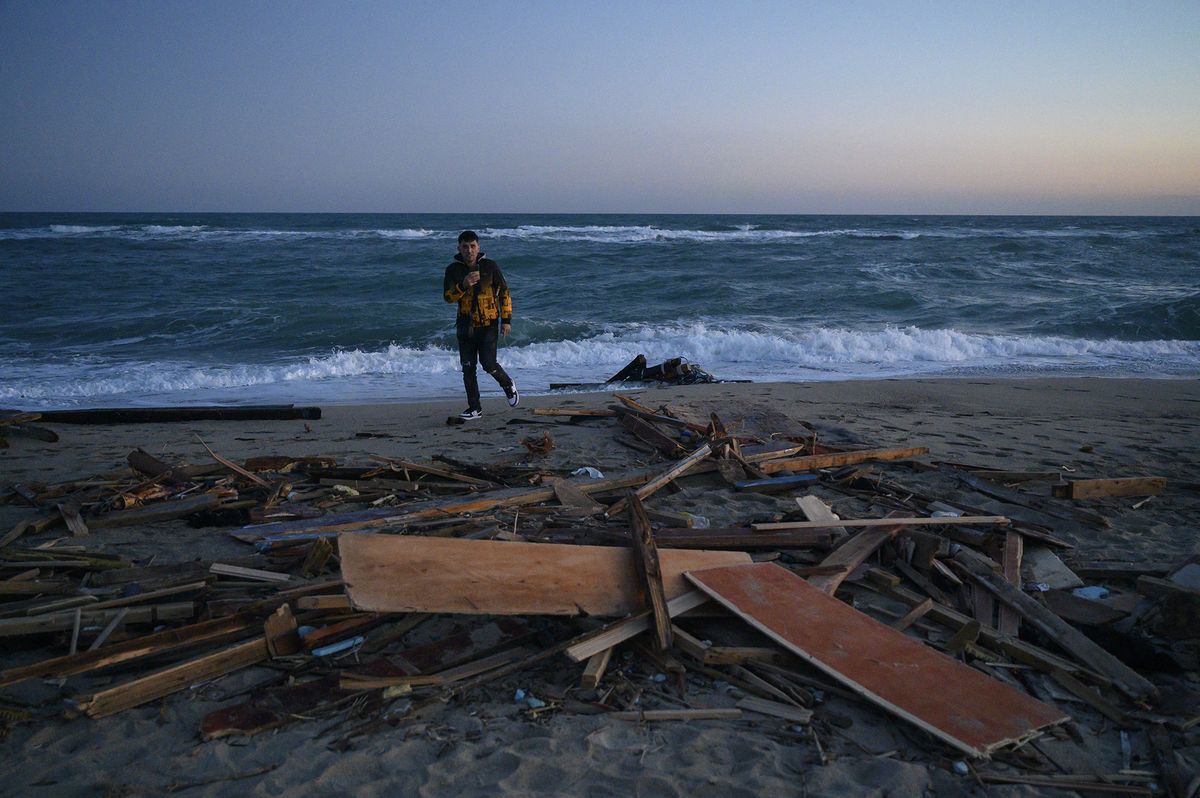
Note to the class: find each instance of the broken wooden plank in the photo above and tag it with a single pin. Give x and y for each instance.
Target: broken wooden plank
(161, 511)
(818, 511)
(649, 571)
(648, 433)
(400, 573)
(1062, 633)
(913, 615)
(672, 473)
(597, 664)
(676, 714)
(571, 496)
(813, 462)
(1008, 622)
(985, 520)
(1103, 488)
(853, 553)
(968, 710)
(177, 677)
(775, 709)
(61, 621)
(251, 574)
(774, 484)
(741, 538)
(620, 631)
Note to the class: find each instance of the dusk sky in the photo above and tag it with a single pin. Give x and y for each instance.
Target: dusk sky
(740, 107)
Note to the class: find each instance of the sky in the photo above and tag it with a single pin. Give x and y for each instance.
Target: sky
(601, 107)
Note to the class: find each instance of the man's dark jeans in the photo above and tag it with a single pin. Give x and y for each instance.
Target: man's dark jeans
(478, 345)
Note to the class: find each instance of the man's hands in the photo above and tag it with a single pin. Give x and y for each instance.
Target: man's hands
(471, 279)
(505, 329)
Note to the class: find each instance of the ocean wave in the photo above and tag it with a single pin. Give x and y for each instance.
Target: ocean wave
(726, 351)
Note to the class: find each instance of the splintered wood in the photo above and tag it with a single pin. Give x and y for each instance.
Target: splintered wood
(972, 712)
(391, 573)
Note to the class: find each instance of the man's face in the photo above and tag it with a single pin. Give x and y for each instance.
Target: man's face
(469, 251)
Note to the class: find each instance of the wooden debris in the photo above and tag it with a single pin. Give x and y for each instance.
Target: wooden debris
(677, 714)
(649, 571)
(664, 478)
(852, 553)
(620, 631)
(968, 710)
(390, 573)
(597, 664)
(1062, 633)
(253, 574)
(775, 709)
(1101, 488)
(177, 677)
(985, 520)
(813, 462)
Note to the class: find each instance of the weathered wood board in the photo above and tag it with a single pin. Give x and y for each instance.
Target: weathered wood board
(401, 573)
(955, 703)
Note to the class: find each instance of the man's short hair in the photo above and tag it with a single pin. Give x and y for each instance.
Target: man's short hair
(467, 236)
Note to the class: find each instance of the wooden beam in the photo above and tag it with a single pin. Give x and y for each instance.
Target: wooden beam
(986, 520)
(1062, 633)
(913, 615)
(813, 462)
(819, 512)
(676, 714)
(620, 631)
(1009, 622)
(1102, 488)
(252, 574)
(61, 621)
(649, 571)
(177, 677)
(594, 672)
(401, 573)
(957, 704)
(160, 511)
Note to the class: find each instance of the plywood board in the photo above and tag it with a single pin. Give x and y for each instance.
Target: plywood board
(955, 703)
(401, 573)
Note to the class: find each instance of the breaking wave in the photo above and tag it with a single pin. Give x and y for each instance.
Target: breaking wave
(727, 352)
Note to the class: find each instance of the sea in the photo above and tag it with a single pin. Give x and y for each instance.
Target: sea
(165, 309)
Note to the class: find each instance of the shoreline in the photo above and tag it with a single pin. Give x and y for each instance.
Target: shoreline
(489, 393)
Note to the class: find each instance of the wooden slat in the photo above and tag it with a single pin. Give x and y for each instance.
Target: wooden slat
(986, 520)
(395, 573)
(957, 704)
(61, 621)
(852, 554)
(1100, 488)
(619, 632)
(594, 671)
(1009, 622)
(819, 512)
(649, 571)
(677, 714)
(177, 677)
(813, 462)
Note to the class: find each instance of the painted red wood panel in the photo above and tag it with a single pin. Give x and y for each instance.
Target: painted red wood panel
(956, 703)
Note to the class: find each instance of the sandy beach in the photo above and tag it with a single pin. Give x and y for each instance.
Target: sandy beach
(488, 745)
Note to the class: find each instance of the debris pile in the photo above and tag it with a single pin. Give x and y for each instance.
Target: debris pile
(576, 594)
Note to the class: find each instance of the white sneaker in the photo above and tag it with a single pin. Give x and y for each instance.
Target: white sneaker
(514, 396)
(470, 414)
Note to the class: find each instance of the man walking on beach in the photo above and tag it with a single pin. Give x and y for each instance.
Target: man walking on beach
(484, 311)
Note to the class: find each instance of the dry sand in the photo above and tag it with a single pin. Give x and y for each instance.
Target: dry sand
(486, 746)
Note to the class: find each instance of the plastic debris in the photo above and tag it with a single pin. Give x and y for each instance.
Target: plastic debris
(1090, 592)
(587, 471)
